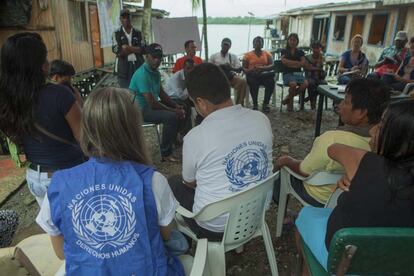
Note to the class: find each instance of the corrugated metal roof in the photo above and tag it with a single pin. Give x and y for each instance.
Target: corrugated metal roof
(365, 4)
(397, 2)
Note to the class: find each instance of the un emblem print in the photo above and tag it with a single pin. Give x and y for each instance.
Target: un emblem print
(105, 224)
(245, 164)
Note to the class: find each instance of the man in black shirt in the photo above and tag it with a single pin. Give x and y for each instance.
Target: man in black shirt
(128, 47)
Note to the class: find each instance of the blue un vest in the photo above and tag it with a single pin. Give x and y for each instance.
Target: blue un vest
(107, 214)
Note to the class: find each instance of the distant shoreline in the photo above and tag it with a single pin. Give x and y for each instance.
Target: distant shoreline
(232, 21)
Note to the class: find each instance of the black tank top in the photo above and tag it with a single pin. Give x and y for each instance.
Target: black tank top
(369, 202)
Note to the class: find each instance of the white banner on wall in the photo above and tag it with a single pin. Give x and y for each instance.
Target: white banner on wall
(108, 11)
(172, 33)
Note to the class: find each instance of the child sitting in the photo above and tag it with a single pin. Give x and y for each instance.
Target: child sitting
(61, 72)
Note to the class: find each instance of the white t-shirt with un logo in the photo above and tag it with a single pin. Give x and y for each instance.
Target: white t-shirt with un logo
(230, 150)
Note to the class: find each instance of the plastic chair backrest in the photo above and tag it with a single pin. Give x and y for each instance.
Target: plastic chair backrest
(380, 251)
(317, 178)
(246, 211)
(323, 178)
(407, 88)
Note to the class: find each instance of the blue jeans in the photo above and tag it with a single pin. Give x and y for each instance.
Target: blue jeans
(177, 244)
(169, 121)
(38, 183)
(344, 79)
(293, 77)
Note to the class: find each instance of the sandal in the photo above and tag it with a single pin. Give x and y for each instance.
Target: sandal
(170, 158)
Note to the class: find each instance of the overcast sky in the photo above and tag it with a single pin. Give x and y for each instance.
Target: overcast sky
(179, 8)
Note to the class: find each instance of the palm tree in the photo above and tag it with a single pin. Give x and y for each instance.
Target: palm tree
(196, 4)
(146, 21)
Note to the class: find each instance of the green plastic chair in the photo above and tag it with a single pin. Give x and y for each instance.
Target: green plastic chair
(365, 251)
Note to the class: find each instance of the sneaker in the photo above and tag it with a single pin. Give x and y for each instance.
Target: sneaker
(255, 107)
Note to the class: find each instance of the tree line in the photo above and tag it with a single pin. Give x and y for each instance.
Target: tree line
(233, 20)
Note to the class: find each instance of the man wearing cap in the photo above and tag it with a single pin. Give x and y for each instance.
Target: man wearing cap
(391, 57)
(155, 104)
(190, 51)
(230, 64)
(127, 45)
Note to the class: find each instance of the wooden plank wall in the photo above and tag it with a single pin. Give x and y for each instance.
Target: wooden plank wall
(53, 24)
(41, 21)
(78, 53)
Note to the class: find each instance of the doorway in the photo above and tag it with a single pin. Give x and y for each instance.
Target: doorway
(357, 26)
(320, 28)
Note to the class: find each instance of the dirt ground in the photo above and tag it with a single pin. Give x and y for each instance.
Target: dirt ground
(293, 132)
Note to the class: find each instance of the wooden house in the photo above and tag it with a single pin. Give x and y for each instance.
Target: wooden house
(69, 28)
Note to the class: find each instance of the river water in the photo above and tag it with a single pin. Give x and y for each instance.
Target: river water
(239, 35)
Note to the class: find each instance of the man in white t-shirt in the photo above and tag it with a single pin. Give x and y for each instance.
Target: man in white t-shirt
(176, 89)
(230, 64)
(229, 151)
(175, 86)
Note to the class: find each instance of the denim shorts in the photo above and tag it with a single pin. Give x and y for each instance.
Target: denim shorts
(38, 183)
(297, 77)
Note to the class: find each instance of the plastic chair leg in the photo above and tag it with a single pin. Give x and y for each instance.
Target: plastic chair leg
(216, 259)
(281, 207)
(281, 98)
(269, 249)
(157, 128)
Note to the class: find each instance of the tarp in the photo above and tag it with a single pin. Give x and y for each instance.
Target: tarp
(108, 11)
(15, 13)
(172, 33)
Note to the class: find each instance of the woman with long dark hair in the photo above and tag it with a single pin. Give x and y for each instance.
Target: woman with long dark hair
(378, 186)
(293, 60)
(44, 118)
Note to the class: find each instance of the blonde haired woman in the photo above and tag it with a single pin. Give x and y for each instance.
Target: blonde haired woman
(353, 63)
(111, 214)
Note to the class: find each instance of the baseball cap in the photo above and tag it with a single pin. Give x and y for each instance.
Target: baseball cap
(124, 12)
(226, 40)
(154, 50)
(401, 35)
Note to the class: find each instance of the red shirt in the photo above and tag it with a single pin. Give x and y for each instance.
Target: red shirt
(179, 64)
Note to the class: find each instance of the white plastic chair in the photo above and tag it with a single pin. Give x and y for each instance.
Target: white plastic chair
(333, 199)
(37, 256)
(407, 88)
(157, 129)
(318, 178)
(195, 266)
(246, 210)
